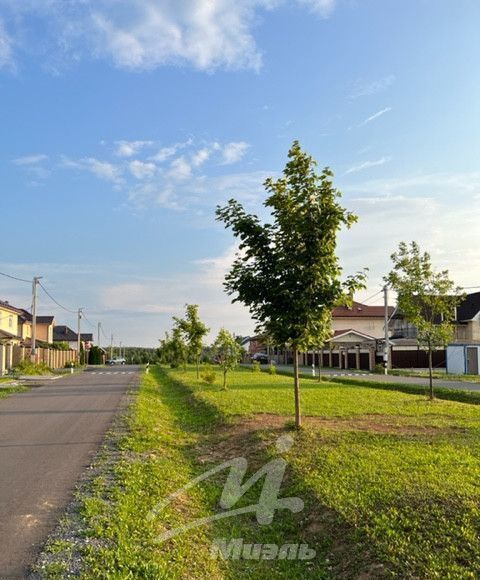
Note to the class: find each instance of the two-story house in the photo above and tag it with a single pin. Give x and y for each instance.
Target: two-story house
(63, 333)
(9, 323)
(357, 339)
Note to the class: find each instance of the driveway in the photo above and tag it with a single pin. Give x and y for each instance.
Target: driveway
(48, 437)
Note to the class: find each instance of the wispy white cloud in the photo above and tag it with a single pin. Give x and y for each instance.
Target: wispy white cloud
(6, 50)
(180, 169)
(142, 170)
(169, 151)
(415, 207)
(160, 298)
(200, 156)
(234, 152)
(30, 159)
(324, 8)
(187, 174)
(371, 88)
(101, 169)
(368, 165)
(375, 116)
(145, 34)
(130, 148)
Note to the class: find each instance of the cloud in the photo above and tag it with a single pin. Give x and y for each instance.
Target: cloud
(200, 156)
(101, 169)
(139, 35)
(417, 207)
(368, 164)
(130, 148)
(234, 152)
(166, 153)
(372, 88)
(160, 298)
(6, 52)
(375, 116)
(30, 159)
(324, 8)
(142, 170)
(180, 169)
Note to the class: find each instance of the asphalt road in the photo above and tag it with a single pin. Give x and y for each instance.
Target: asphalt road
(447, 383)
(48, 437)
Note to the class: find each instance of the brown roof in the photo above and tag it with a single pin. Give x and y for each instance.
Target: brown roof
(358, 310)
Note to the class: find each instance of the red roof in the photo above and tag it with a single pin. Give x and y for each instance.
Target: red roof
(358, 310)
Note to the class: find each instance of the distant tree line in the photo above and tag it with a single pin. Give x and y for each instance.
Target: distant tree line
(137, 355)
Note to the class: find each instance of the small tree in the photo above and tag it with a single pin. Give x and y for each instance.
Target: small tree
(228, 353)
(288, 273)
(425, 297)
(95, 356)
(193, 330)
(173, 350)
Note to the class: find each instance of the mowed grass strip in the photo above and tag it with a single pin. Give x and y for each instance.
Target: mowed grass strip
(401, 470)
(174, 436)
(389, 481)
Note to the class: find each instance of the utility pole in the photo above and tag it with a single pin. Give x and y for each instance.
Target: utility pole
(99, 327)
(35, 282)
(120, 350)
(111, 346)
(386, 352)
(79, 318)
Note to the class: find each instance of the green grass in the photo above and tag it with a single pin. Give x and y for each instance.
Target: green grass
(6, 391)
(390, 481)
(172, 437)
(411, 489)
(436, 375)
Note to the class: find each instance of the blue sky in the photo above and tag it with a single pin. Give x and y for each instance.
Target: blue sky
(125, 122)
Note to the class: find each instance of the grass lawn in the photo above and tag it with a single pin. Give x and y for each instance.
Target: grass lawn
(390, 481)
(5, 391)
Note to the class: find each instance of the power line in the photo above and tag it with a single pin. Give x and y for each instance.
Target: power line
(88, 321)
(56, 302)
(15, 278)
(372, 296)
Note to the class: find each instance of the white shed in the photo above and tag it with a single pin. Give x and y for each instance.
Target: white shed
(463, 359)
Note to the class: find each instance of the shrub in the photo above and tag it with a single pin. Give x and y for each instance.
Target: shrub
(72, 363)
(208, 374)
(272, 369)
(27, 367)
(379, 369)
(255, 366)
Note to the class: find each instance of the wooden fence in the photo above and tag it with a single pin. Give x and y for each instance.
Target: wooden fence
(11, 356)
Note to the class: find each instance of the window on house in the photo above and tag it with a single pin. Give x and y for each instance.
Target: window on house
(10, 321)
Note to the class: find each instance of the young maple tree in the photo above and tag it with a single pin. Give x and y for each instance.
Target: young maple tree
(287, 272)
(193, 330)
(227, 353)
(426, 298)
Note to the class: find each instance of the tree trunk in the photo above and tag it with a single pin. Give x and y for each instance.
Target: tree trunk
(198, 366)
(320, 364)
(224, 380)
(430, 371)
(296, 381)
